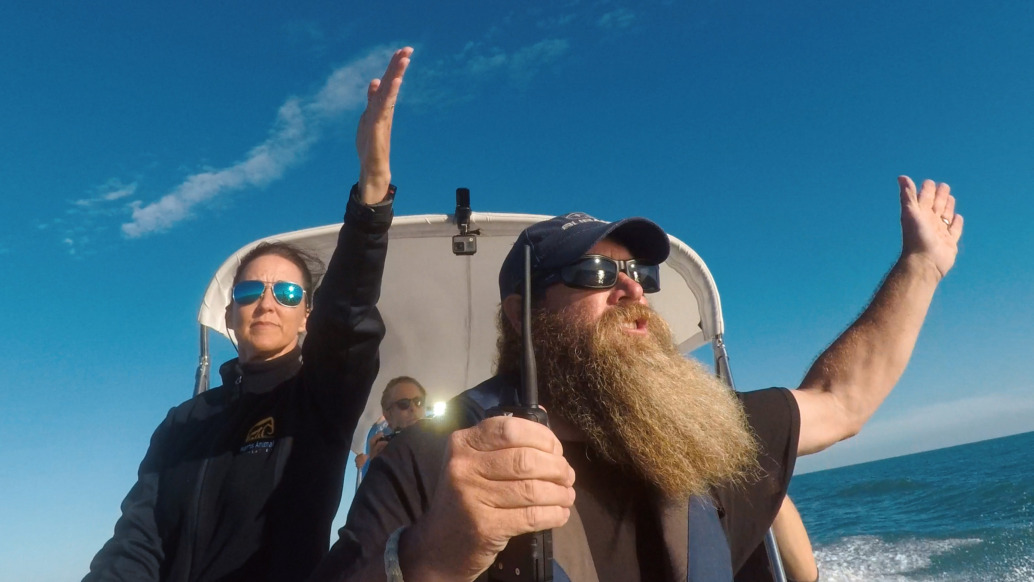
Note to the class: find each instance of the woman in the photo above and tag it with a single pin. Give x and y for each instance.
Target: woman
(242, 481)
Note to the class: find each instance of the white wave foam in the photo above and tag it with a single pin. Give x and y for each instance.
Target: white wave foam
(1021, 572)
(870, 559)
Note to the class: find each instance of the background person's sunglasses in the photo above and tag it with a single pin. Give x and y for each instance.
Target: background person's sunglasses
(286, 293)
(600, 272)
(404, 403)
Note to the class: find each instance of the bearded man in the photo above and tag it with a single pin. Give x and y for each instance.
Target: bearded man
(667, 458)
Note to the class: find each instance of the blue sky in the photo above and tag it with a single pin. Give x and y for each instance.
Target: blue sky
(146, 142)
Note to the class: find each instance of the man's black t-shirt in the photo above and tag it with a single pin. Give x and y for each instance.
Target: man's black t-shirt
(631, 533)
(747, 511)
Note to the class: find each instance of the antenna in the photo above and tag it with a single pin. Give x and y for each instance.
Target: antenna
(527, 557)
(529, 375)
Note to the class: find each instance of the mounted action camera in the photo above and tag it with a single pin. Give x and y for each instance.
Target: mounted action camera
(466, 242)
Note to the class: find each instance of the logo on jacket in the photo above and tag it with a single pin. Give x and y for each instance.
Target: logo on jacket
(260, 436)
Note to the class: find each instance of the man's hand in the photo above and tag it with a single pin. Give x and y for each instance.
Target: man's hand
(360, 460)
(930, 229)
(504, 477)
(373, 138)
(377, 444)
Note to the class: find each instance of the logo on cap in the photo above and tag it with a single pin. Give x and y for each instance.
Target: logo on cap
(578, 218)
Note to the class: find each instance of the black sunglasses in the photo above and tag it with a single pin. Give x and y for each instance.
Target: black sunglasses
(403, 404)
(286, 293)
(600, 272)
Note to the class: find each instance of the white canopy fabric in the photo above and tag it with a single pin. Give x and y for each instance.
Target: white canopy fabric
(440, 309)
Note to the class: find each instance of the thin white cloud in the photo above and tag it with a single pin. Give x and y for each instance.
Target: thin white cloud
(521, 65)
(299, 124)
(527, 61)
(556, 21)
(121, 193)
(936, 426)
(86, 219)
(80, 235)
(490, 58)
(479, 64)
(307, 30)
(345, 88)
(457, 77)
(113, 190)
(616, 19)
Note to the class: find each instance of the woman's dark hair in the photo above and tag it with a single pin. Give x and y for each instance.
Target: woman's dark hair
(309, 264)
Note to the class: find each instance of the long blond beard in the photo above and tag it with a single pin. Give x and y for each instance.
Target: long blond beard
(640, 403)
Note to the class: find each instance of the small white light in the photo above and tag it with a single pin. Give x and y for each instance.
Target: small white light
(438, 408)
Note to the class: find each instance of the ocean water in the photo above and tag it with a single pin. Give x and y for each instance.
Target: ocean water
(956, 514)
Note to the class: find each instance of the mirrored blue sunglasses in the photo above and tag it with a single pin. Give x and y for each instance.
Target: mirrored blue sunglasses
(286, 293)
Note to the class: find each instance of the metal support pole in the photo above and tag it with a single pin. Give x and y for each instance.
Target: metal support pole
(721, 367)
(203, 364)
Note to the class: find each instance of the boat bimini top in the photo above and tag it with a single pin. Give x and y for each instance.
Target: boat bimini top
(440, 308)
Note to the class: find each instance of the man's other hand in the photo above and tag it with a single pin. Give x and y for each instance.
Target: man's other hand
(930, 228)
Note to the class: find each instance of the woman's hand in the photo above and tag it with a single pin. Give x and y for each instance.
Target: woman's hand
(373, 138)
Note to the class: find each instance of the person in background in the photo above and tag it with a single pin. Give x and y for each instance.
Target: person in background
(242, 481)
(402, 406)
(402, 403)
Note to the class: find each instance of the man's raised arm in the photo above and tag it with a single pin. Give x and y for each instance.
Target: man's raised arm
(849, 381)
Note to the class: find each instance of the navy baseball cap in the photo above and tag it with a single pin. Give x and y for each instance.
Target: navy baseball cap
(562, 240)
